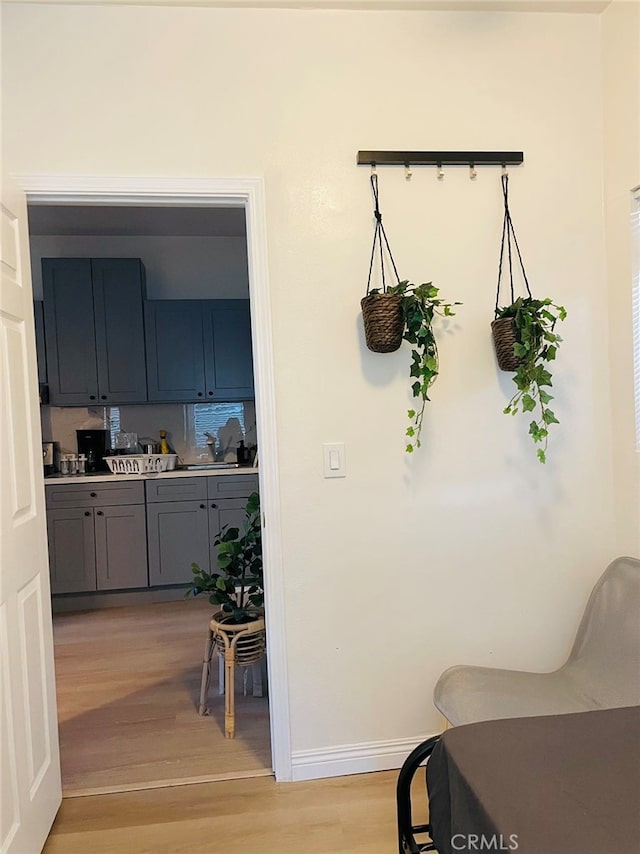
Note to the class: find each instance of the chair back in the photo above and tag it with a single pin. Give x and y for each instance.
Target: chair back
(605, 658)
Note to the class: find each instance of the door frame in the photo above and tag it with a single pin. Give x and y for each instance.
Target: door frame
(249, 194)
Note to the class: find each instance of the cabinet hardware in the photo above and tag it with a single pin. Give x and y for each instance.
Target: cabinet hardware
(87, 512)
(103, 397)
(214, 506)
(203, 506)
(92, 397)
(210, 394)
(92, 494)
(200, 394)
(100, 513)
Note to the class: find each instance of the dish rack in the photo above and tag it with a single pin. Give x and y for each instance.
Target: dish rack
(142, 463)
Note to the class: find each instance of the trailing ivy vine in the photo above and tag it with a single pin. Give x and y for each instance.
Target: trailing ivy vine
(420, 305)
(536, 345)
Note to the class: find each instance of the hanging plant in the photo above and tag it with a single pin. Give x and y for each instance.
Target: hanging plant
(403, 311)
(419, 305)
(381, 308)
(526, 342)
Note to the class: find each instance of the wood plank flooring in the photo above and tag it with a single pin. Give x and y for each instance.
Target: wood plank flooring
(336, 816)
(128, 681)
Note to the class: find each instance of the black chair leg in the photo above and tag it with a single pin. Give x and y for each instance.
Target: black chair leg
(406, 831)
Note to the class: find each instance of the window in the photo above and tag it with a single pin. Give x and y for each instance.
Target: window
(635, 255)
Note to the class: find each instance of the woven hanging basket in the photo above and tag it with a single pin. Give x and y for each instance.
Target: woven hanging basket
(504, 337)
(383, 322)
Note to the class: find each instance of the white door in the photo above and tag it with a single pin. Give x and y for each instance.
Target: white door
(30, 788)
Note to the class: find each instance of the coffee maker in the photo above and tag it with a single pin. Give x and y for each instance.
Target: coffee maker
(94, 444)
(50, 457)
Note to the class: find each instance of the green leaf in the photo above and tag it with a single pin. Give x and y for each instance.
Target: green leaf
(549, 418)
(528, 403)
(541, 455)
(409, 449)
(545, 397)
(415, 388)
(410, 431)
(221, 584)
(411, 413)
(551, 354)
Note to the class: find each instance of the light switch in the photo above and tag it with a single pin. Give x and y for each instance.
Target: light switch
(334, 462)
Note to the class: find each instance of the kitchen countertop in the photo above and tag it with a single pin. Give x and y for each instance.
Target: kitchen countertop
(103, 477)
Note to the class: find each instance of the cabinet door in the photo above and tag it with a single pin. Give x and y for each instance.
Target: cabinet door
(175, 350)
(229, 360)
(121, 547)
(178, 535)
(38, 308)
(118, 291)
(225, 512)
(72, 562)
(69, 331)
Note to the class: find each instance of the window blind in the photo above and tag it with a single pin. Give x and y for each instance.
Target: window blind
(635, 255)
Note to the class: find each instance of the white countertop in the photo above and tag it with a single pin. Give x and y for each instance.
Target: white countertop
(103, 477)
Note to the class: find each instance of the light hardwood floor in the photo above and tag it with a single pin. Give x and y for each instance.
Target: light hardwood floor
(336, 816)
(128, 681)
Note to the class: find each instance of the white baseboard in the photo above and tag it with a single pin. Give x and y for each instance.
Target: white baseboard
(359, 758)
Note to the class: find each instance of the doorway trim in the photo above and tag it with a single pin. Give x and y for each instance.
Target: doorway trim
(249, 194)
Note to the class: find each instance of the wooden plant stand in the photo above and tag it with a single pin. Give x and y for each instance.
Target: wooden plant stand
(241, 643)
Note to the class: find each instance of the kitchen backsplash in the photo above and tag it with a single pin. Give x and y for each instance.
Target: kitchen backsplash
(186, 425)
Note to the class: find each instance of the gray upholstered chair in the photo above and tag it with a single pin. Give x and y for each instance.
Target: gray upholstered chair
(602, 671)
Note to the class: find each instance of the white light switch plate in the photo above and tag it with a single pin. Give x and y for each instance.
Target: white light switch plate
(334, 460)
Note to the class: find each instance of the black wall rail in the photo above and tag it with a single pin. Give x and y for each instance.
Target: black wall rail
(440, 158)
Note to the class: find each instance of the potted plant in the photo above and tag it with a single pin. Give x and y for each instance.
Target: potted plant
(526, 342)
(418, 306)
(237, 629)
(238, 585)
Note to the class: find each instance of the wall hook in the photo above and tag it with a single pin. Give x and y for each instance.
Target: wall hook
(472, 171)
(504, 170)
(440, 172)
(373, 169)
(407, 171)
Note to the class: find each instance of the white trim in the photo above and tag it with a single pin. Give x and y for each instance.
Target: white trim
(359, 758)
(247, 193)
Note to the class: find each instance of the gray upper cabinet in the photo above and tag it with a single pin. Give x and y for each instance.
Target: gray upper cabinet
(94, 330)
(229, 361)
(175, 350)
(199, 350)
(118, 289)
(38, 311)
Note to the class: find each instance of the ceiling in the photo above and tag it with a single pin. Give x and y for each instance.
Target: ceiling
(565, 6)
(136, 221)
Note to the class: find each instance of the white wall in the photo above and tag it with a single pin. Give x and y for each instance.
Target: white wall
(470, 551)
(176, 267)
(621, 64)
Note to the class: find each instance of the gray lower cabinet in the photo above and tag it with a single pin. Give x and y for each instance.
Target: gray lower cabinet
(178, 533)
(96, 540)
(117, 535)
(184, 517)
(121, 547)
(72, 550)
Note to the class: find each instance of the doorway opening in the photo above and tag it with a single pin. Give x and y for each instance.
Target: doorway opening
(155, 622)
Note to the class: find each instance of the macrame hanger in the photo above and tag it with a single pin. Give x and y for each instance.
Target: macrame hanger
(508, 232)
(378, 236)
